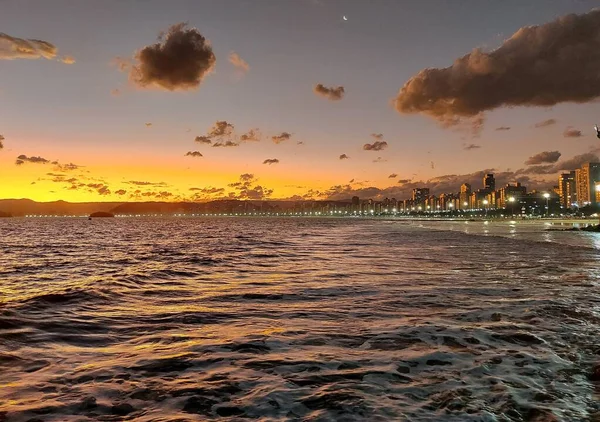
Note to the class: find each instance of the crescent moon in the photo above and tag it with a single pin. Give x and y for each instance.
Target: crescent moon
(345, 18)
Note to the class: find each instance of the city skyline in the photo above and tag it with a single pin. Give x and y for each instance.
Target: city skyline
(88, 117)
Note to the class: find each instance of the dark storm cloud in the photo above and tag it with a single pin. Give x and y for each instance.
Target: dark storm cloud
(572, 133)
(193, 154)
(469, 147)
(271, 161)
(539, 65)
(2, 138)
(392, 176)
(120, 192)
(403, 181)
(543, 157)
(221, 128)
(375, 146)
(502, 128)
(19, 48)
(22, 159)
(545, 123)
(333, 94)
(344, 157)
(178, 61)
(203, 140)
(283, 136)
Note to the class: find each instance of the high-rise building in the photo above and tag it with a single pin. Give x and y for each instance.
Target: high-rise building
(465, 195)
(420, 194)
(489, 182)
(566, 189)
(586, 178)
(512, 190)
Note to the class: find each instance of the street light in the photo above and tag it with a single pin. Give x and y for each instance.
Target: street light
(547, 196)
(485, 202)
(511, 199)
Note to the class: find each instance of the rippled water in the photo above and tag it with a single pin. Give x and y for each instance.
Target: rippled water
(295, 319)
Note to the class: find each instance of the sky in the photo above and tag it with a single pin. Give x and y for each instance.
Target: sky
(95, 107)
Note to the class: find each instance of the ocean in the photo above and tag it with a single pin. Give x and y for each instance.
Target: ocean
(292, 319)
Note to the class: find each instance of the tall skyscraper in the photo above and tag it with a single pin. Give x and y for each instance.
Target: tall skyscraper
(512, 190)
(420, 194)
(464, 197)
(566, 189)
(586, 178)
(489, 182)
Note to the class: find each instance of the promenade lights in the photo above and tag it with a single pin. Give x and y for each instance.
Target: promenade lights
(547, 196)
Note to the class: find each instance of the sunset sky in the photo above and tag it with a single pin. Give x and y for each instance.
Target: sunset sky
(77, 87)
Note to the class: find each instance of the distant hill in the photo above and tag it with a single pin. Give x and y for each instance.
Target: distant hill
(4, 214)
(22, 207)
(101, 214)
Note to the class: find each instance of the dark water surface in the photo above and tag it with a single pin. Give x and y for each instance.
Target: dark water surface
(293, 319)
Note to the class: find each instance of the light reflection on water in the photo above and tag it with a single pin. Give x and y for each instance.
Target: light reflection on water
(320, 319)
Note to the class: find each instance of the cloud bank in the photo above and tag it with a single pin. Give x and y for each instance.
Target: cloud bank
(543, 157)
(12, 48)
(541, 65)
(22, 159)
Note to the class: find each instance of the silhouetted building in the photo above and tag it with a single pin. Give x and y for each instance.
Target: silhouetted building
(489, 182)
(465, 194)
(420, 194)
(512, 190)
